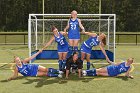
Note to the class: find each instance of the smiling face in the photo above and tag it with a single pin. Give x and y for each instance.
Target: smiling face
(130, 60)
(17, 60)
(102, 36)
(75, 57)
(74, 14)
(54, 30)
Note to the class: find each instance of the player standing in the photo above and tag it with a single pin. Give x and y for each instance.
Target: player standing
(73, 27)
(62, 46)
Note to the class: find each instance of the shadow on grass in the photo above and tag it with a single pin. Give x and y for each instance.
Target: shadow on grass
(18, 78)
(41, 81)
(123, 78)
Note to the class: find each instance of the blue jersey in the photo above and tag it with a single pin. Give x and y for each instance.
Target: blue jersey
(28, 69)
(92, 41)
(61, 41)
(115, 70)
(74, 31)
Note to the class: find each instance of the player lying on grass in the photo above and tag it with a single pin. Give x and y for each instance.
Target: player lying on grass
(93, 40)
(62, 46)
(74, 63)
(23, 67)
(111, 70)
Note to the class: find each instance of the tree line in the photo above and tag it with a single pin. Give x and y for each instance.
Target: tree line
(14, 13)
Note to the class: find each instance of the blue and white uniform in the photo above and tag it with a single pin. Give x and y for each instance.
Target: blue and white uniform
(116, 70)
(88, 44)
(62, 43)
(28, 69)
(74, 31)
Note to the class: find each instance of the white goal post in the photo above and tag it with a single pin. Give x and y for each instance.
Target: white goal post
(39, 28)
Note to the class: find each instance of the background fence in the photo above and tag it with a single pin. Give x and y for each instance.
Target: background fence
(21, 38)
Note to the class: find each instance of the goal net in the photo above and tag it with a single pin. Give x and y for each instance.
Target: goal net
(39, 31)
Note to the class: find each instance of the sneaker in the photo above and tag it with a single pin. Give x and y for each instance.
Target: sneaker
(84, 72)
(60, 72)
(60, 76)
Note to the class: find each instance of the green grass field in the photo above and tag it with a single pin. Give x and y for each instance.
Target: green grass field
(73, 84)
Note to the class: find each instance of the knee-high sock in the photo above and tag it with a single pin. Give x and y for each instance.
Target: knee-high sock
(64, 64)
(60, 64)
(52, 75)
(70, 50)
(88, 65)
(91, 72)
(52, 70)
(75, 48)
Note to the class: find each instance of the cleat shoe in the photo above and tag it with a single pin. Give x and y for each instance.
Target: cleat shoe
(84, 72)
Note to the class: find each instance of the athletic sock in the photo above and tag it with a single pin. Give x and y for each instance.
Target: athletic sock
(88, 65)
(94, 72)
(75, 48)
(52, 70)
(52, 75)
(60, 64)
(64, 64)
(70, 50)
(91, 72)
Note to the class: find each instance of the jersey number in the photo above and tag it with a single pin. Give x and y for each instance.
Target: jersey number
(61, 42)
(73, 26)
(25, 71)
(92, 43)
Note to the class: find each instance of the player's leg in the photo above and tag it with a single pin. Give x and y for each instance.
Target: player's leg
(83, 55)
(64, 56)
(102, 72)
(88, 60)
(71, 46)
(60, 61)
(51, 72)
(75, 44)
(42, 69)
(47, 74)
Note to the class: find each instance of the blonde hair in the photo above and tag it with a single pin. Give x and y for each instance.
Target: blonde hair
(104, 39)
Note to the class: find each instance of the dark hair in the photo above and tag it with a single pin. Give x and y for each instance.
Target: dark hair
(74, 53)
(53, 27)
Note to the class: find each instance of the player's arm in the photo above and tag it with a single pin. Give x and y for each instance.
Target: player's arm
(67, 73)
(49, 43)
(127, 74)
(101, 45)
(63, 33)
(67, 68)
(81, 26)
(80, 66)
(114, 63)
(90, 34)
(26, 60)
(15, 74)
(66, 28)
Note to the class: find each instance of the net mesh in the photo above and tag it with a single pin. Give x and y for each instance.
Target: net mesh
(103, 24)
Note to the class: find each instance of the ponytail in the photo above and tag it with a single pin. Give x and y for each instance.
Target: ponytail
(104, 41)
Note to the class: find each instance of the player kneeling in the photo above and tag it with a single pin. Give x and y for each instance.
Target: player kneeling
(112, 70)
(74, 63)
(23, 67)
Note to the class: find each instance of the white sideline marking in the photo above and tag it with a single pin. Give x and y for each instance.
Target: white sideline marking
(13, 50)
(57, 63)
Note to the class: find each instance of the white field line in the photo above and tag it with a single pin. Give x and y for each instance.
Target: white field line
(57, 63)
(13, 50)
